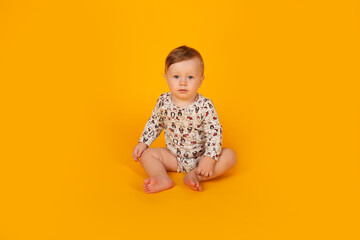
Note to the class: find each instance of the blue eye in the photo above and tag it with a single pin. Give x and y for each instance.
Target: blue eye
(191, 77)
(176, 76)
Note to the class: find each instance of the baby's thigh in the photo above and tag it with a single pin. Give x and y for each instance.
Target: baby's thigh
(165, 156)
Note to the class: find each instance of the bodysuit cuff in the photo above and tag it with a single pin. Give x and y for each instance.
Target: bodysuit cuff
(213, 155)
(147, 144)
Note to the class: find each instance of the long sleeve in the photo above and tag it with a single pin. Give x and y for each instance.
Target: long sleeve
(154, 125)
(212, 130)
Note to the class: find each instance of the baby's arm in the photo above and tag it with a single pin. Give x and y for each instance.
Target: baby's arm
(152, 130)
(213, 132)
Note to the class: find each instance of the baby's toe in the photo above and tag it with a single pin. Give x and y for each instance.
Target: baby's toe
(198, 186)
(192, 183)
(147, 181)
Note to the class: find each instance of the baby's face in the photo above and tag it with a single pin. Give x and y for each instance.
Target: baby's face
(185, 75)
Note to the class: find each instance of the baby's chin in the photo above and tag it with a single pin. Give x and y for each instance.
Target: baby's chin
(185, 95)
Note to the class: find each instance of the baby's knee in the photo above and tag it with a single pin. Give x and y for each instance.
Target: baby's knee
(231, 157)
(148, 154)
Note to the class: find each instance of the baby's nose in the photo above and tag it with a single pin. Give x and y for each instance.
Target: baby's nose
(183, 82)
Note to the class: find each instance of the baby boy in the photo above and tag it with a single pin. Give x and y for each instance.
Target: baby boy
(193, 132)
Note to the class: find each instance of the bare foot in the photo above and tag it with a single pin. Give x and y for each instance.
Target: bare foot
(192, 180)
(157, 184)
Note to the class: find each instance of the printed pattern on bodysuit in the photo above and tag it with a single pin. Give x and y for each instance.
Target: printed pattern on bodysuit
(190, 131)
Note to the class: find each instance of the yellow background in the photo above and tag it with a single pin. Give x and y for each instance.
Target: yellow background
(79, 80)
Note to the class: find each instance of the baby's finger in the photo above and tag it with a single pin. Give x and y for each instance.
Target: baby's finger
(140, 153)
(135, 158)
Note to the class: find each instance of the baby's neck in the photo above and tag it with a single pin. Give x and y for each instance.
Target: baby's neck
(183, 103)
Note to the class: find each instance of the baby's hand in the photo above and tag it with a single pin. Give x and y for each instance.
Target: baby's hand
(206, 166)
(138, 150)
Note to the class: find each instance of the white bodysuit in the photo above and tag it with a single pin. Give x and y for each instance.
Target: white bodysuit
(190, 131)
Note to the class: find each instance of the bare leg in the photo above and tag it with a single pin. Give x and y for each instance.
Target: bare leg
(156, 161)
(226, 161)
